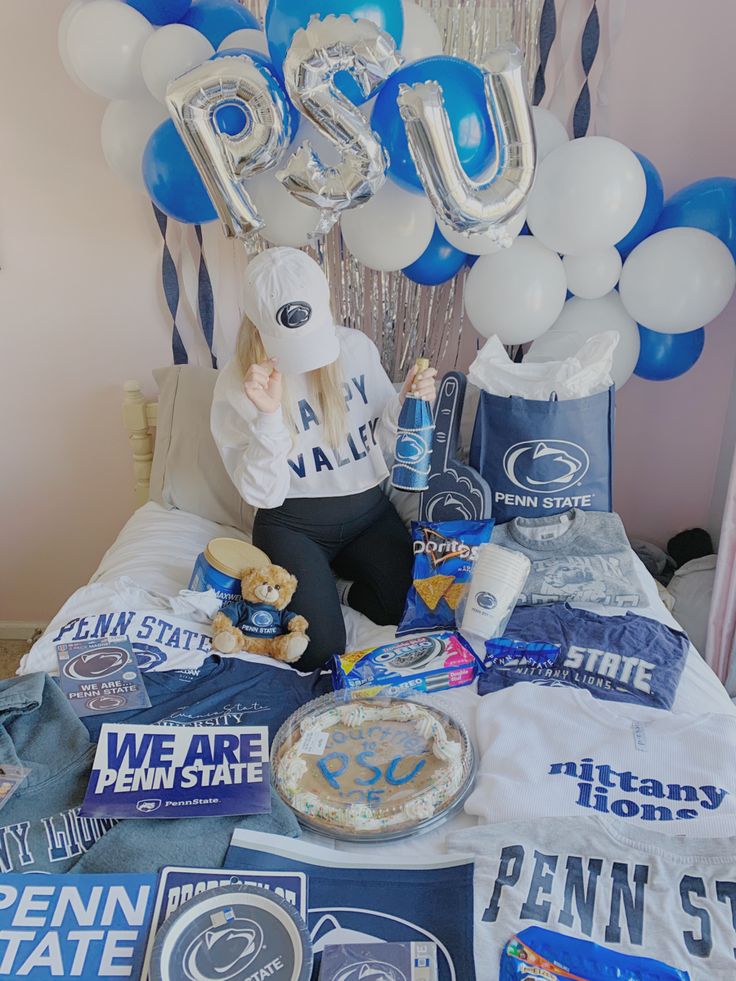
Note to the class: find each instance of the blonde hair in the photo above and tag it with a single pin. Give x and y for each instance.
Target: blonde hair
(326, 383)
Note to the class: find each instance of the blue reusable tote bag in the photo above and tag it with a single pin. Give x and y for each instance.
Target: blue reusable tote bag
(544, 457)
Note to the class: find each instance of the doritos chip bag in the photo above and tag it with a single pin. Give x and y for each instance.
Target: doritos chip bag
(444, 552)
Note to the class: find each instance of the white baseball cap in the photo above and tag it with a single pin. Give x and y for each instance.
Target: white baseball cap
(287, 298)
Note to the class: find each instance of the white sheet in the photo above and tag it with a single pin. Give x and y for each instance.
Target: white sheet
(157, 548)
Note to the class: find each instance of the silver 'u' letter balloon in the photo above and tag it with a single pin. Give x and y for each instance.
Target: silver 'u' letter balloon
(484, 207)
(317, 52)
(224, 161)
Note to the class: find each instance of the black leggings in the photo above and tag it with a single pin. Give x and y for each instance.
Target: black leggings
(360, 537)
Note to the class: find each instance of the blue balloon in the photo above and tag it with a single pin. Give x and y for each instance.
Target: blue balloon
(649, 213)
(439, 262)
(470, 260)
(172, 179)
(278, 89)
(161, 12)
(230, 118)
(465, 102)
(218, 18)
(285, 17)
(709, 204)
(665, 356)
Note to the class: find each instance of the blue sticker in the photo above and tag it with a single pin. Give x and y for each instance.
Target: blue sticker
(164, 772)
(101, 676)
(82, 926)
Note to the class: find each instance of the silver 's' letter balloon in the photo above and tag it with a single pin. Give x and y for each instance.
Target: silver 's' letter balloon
(317, 52)
(224, 161)
(487, 206)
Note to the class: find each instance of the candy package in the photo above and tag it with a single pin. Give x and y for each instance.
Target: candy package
(444, 552)
(427, 663)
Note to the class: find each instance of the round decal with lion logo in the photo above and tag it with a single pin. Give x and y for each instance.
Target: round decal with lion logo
(233, 933)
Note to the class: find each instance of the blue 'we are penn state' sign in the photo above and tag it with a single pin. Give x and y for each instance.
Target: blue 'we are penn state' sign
(74, 926)
(164, 772)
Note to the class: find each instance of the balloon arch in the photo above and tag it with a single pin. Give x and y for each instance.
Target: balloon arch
(397, 142)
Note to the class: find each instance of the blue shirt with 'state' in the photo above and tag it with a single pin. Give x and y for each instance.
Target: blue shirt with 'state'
(258, 619)
(626, 658)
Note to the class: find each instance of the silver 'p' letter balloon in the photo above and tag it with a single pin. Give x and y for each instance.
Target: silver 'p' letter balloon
(225, 161)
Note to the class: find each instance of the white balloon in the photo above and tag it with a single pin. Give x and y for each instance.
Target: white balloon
(677, 280)
(171, 51)
(550, 132)
(288, 221)
(422, 38)
(104, 41)
(594, 274)
(66, 19)
(479, 244)
(391, 230)
(587, 195)
(516, 293)
(126, 128)
(246, 37)
(582, 319)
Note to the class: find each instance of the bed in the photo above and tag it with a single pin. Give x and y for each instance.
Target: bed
(192, 501)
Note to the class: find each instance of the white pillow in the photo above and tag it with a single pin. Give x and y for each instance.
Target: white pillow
(187, 471)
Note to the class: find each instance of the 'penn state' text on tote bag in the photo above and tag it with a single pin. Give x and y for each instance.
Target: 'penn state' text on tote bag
(544, 457)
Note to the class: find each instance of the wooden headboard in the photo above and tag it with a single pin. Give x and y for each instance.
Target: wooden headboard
(139, 418)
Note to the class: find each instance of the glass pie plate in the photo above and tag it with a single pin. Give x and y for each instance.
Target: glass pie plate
(363, 768)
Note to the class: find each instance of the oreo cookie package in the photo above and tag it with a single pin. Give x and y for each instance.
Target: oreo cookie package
(427, 663)
(444, 552)
(380, 962)
(235, 932)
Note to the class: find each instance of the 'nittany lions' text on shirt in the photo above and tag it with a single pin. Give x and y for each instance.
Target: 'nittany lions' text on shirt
(267, 462)
(548, 752)
(576, 557)
(631, 890)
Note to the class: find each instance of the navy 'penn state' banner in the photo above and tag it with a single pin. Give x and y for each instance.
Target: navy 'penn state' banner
(544, 457)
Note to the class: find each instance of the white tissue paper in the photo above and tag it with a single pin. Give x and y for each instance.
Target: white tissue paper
(587, 373)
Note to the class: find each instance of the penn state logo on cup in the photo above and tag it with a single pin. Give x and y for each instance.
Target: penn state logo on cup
(411, 448)
(545, 464)
(370, 971)
(97, 664)
(486, 601)
(295, 314)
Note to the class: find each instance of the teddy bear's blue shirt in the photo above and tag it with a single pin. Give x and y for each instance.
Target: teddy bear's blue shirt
(258, 619)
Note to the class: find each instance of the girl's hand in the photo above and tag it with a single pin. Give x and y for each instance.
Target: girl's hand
(420, 384)
(263, 386)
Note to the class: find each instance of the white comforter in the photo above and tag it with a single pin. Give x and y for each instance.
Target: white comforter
(151, 562)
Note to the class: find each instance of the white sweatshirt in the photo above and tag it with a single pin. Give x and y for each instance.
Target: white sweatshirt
(267, 462)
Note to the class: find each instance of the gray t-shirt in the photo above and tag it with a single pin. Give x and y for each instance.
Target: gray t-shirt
(576, 557)
(636, 894)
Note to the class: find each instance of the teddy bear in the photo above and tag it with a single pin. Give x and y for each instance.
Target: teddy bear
(257, 622)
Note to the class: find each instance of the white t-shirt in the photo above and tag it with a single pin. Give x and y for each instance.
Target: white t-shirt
(548, 752)
(636, 893)
(268, 463)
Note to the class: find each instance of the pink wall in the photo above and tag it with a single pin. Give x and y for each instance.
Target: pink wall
(671, 86)
(82, 310)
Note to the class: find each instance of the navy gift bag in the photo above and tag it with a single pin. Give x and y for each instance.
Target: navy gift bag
(544, 457)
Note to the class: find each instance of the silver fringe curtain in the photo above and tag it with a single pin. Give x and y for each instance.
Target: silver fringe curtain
(406, 320)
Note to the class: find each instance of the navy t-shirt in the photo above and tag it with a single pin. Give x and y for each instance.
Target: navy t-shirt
(258, 619)
(626, 658)
(222, 692)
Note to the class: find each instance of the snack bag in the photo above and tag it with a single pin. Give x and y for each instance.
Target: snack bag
(444, 552)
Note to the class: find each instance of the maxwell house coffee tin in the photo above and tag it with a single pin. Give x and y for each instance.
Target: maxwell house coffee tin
(221, 565)
(233, 933)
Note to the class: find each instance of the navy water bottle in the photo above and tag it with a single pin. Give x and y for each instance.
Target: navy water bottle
(413, 455)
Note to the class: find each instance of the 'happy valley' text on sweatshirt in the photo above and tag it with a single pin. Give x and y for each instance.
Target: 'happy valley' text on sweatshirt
(268, 463)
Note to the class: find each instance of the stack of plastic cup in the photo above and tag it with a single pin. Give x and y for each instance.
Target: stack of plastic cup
(496, 583)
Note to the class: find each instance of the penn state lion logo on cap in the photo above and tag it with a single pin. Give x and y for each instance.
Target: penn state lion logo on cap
(294, 314)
